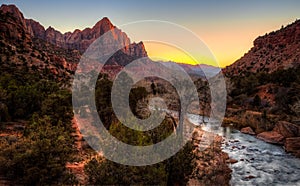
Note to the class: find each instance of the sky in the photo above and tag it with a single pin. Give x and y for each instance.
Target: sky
(228, 28)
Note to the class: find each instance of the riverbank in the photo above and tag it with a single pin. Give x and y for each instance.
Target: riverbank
(253, 161)
(270, 128)
(212, 164)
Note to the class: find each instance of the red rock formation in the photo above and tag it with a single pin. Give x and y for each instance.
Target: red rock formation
(284, 133)
(35, 29)
(55, 37)
(81, 40)
(19, 45)
(271, 137)
(276, 50)
(13, 27)
(14, 11)
(248, 130)
(56, 51)
(287, 129)
(293, 145)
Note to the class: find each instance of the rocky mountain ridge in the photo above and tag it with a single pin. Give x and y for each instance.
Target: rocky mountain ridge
(26, 43)
(77, 40)
(81, 40)
(274, 51)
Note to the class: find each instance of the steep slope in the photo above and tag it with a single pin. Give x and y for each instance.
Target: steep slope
(20, 50)
(274, 51)
(13, 25)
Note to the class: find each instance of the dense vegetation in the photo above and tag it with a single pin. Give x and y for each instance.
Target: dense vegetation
(38, 151)
(175, 170)
(39, 154)
(286, 86)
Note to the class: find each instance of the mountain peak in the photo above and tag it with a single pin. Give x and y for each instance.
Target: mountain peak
(50, 28)
(9, 8)
(12, 9)
(102, 26)
(105, 19)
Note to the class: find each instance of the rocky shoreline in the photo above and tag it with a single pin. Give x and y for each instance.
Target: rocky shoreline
(212, 164)
(273, 130)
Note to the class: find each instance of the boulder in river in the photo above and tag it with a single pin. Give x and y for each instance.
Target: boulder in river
(271, 137)
(293, 145)
(249, 177)
(248, 130)
(287, 129)
(232, 161)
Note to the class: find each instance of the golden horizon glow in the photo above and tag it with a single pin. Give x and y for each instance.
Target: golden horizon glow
(159, 51)
(164, 52)
(227, 43)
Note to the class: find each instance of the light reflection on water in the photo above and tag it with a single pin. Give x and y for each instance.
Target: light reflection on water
(259, 163)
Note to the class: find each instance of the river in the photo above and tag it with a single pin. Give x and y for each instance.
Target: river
(259, 163)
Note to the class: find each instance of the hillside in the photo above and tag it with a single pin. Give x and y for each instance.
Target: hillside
(264, 88)
(20, 49)
(274, 51)
(25, 42)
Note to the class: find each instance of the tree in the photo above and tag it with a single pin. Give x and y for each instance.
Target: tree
(103, 101)
(169, 172)
(264, 118)
(4, 116)
(180, 166)
(203, 94)
(40, 156)
(105, 172)
(58, 107)
(136, 94)
(153, 88)
(256, 101)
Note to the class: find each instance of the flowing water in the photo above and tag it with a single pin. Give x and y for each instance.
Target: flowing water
(259, 163)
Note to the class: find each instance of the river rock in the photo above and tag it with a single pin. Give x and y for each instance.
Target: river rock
(271, 137)
(211, 164)
(247, 130)
(287, 129)
(233, 161)
(250, 177)
(292, 145)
